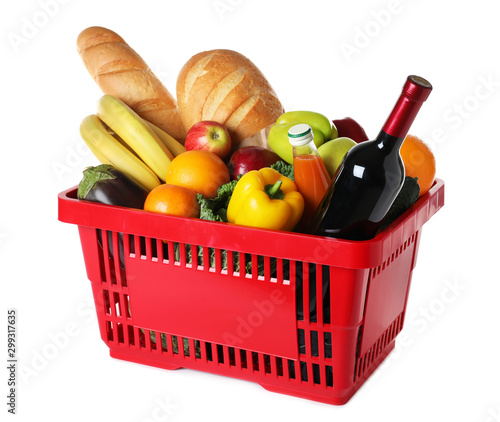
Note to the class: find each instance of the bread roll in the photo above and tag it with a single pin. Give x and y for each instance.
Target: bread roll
(121, 72)
(225, 86)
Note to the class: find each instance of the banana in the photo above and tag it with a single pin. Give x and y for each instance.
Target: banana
(127, 124)
(109, 150)
(173, 145)
(114, 135)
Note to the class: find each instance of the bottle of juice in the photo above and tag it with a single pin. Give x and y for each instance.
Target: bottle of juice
(311, 176)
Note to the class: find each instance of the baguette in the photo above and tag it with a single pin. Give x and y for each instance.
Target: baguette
(119, 71)
(225, 86)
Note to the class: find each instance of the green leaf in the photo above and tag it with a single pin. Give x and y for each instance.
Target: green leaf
(215, 209)
(284, 168)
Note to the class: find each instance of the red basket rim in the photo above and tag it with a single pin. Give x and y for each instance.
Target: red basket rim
(279, 244)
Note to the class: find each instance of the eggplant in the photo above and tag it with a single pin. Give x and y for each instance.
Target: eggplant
(108, 185)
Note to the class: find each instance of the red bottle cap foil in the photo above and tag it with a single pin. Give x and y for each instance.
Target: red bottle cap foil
(417, 88)
(415, 91)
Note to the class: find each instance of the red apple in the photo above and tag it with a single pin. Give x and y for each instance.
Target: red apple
(249, 158)
(349, 128)
(209, 136)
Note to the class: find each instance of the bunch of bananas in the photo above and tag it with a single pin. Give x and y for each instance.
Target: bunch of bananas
(118, 136)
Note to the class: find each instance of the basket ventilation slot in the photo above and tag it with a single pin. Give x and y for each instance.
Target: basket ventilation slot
(365, 361)
(313, 298)
(312, 294)
(376, 271)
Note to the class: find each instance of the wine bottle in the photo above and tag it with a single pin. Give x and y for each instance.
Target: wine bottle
(371, 174)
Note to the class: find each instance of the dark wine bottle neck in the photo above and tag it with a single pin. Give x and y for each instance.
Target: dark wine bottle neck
(388, 143)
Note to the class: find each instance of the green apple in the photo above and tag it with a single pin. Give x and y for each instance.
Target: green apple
(333, 152)
(278, 140)
(278, 135)
(334, 132)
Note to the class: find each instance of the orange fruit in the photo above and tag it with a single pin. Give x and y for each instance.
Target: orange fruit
(201, 171)
(173, 200)
(419, 162)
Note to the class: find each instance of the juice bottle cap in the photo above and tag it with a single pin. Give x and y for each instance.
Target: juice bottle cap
(300, 134)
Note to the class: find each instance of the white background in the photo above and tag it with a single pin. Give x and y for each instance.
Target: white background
(337, 58)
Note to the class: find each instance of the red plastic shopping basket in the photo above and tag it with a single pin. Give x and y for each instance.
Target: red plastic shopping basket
(302, 315)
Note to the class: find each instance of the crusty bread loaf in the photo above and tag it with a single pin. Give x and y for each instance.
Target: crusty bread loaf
(121, 72)
(225, 86)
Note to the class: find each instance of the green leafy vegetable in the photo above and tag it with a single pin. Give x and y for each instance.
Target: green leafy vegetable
(235, 256)
(215, 209)
(284, 168)
(175, 344)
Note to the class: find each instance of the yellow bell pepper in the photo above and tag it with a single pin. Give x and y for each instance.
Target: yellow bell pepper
(264, 198)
